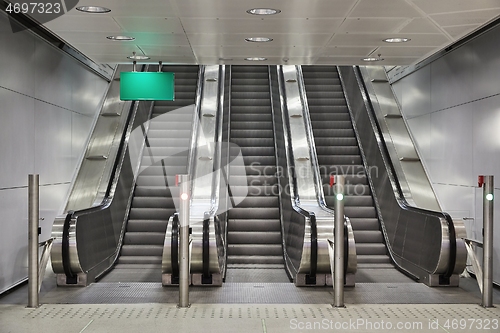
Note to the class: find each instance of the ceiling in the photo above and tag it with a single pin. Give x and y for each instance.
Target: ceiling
(340, 32)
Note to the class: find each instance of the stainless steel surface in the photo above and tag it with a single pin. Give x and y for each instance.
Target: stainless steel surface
(418, 240)
(185, 199)
(103, 229)
(93, 176)
(338, 285)
(488, 204)
(44, 260)
(49, 101)
(33, 217)
(207, 182)
(304, 186)
(478, 271)
(410, 172)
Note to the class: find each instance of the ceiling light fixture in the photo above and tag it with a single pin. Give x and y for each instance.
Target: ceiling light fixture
(263, 11)
(93, 9)
(396, 40)
(138, 57)
(256, 59)
(373, 58)
(121, 38)
(259, 39)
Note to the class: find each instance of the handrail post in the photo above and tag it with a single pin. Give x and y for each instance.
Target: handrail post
(33, 216)
(338, 287)
(488, 202)
(184, 199)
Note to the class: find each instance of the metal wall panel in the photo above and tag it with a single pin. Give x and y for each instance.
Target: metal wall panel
(486, 129)
(14, 237)
(51, 203)
(17, 55)
(16, 138)
(484, 55)
(38, 137)
(463, 88)
(52, 143)
(54, 75)
(451, 77)
(415, 93)
(451, 147)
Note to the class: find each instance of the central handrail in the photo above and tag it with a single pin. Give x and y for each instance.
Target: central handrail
(308, 262)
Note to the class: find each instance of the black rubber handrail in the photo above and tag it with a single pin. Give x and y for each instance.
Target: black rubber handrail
(346, 251)
(206, 246)
(174, 248)
(402, 201)
(65, 247)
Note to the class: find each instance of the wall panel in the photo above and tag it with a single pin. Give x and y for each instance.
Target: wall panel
(464, 139)
(48, 104)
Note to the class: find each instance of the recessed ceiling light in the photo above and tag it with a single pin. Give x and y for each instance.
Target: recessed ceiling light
(372, 59)
(263, 11)
(93, 9)
(138, 57)
(256, 59)
(259, 39)
(397, 40)
(120, 38)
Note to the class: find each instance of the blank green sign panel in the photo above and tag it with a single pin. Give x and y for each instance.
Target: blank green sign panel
(146, 86)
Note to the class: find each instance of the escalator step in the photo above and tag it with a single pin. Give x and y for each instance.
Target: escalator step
(139, 260)
(144, 238)
(150, 225)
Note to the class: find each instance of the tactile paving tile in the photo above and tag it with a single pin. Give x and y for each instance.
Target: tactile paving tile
(259, 293)
(272, 311)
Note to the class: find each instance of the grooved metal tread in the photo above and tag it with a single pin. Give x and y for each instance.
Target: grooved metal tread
(254, 230)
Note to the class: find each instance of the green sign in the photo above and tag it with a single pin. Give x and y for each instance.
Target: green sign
(146, 86)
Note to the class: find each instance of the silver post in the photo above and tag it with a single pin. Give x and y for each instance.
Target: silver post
(488, 195)
(184, 242)
(33, 216)
(160, 63)
(134, 66)
(338, 287)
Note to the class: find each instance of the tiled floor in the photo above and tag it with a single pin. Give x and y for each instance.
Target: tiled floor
(399, 305)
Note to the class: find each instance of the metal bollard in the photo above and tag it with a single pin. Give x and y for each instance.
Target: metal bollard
(488, 196)
(338, 288)
(33, 218)
(184, 242)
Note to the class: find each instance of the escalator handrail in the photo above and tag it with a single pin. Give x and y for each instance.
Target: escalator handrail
(108, 197)
(196, 122)
(314, 160)
(311, 217)
(392, 175)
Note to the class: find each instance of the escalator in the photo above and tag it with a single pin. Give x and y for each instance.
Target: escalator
(165, 155)
(338, 154)
(254, 230)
